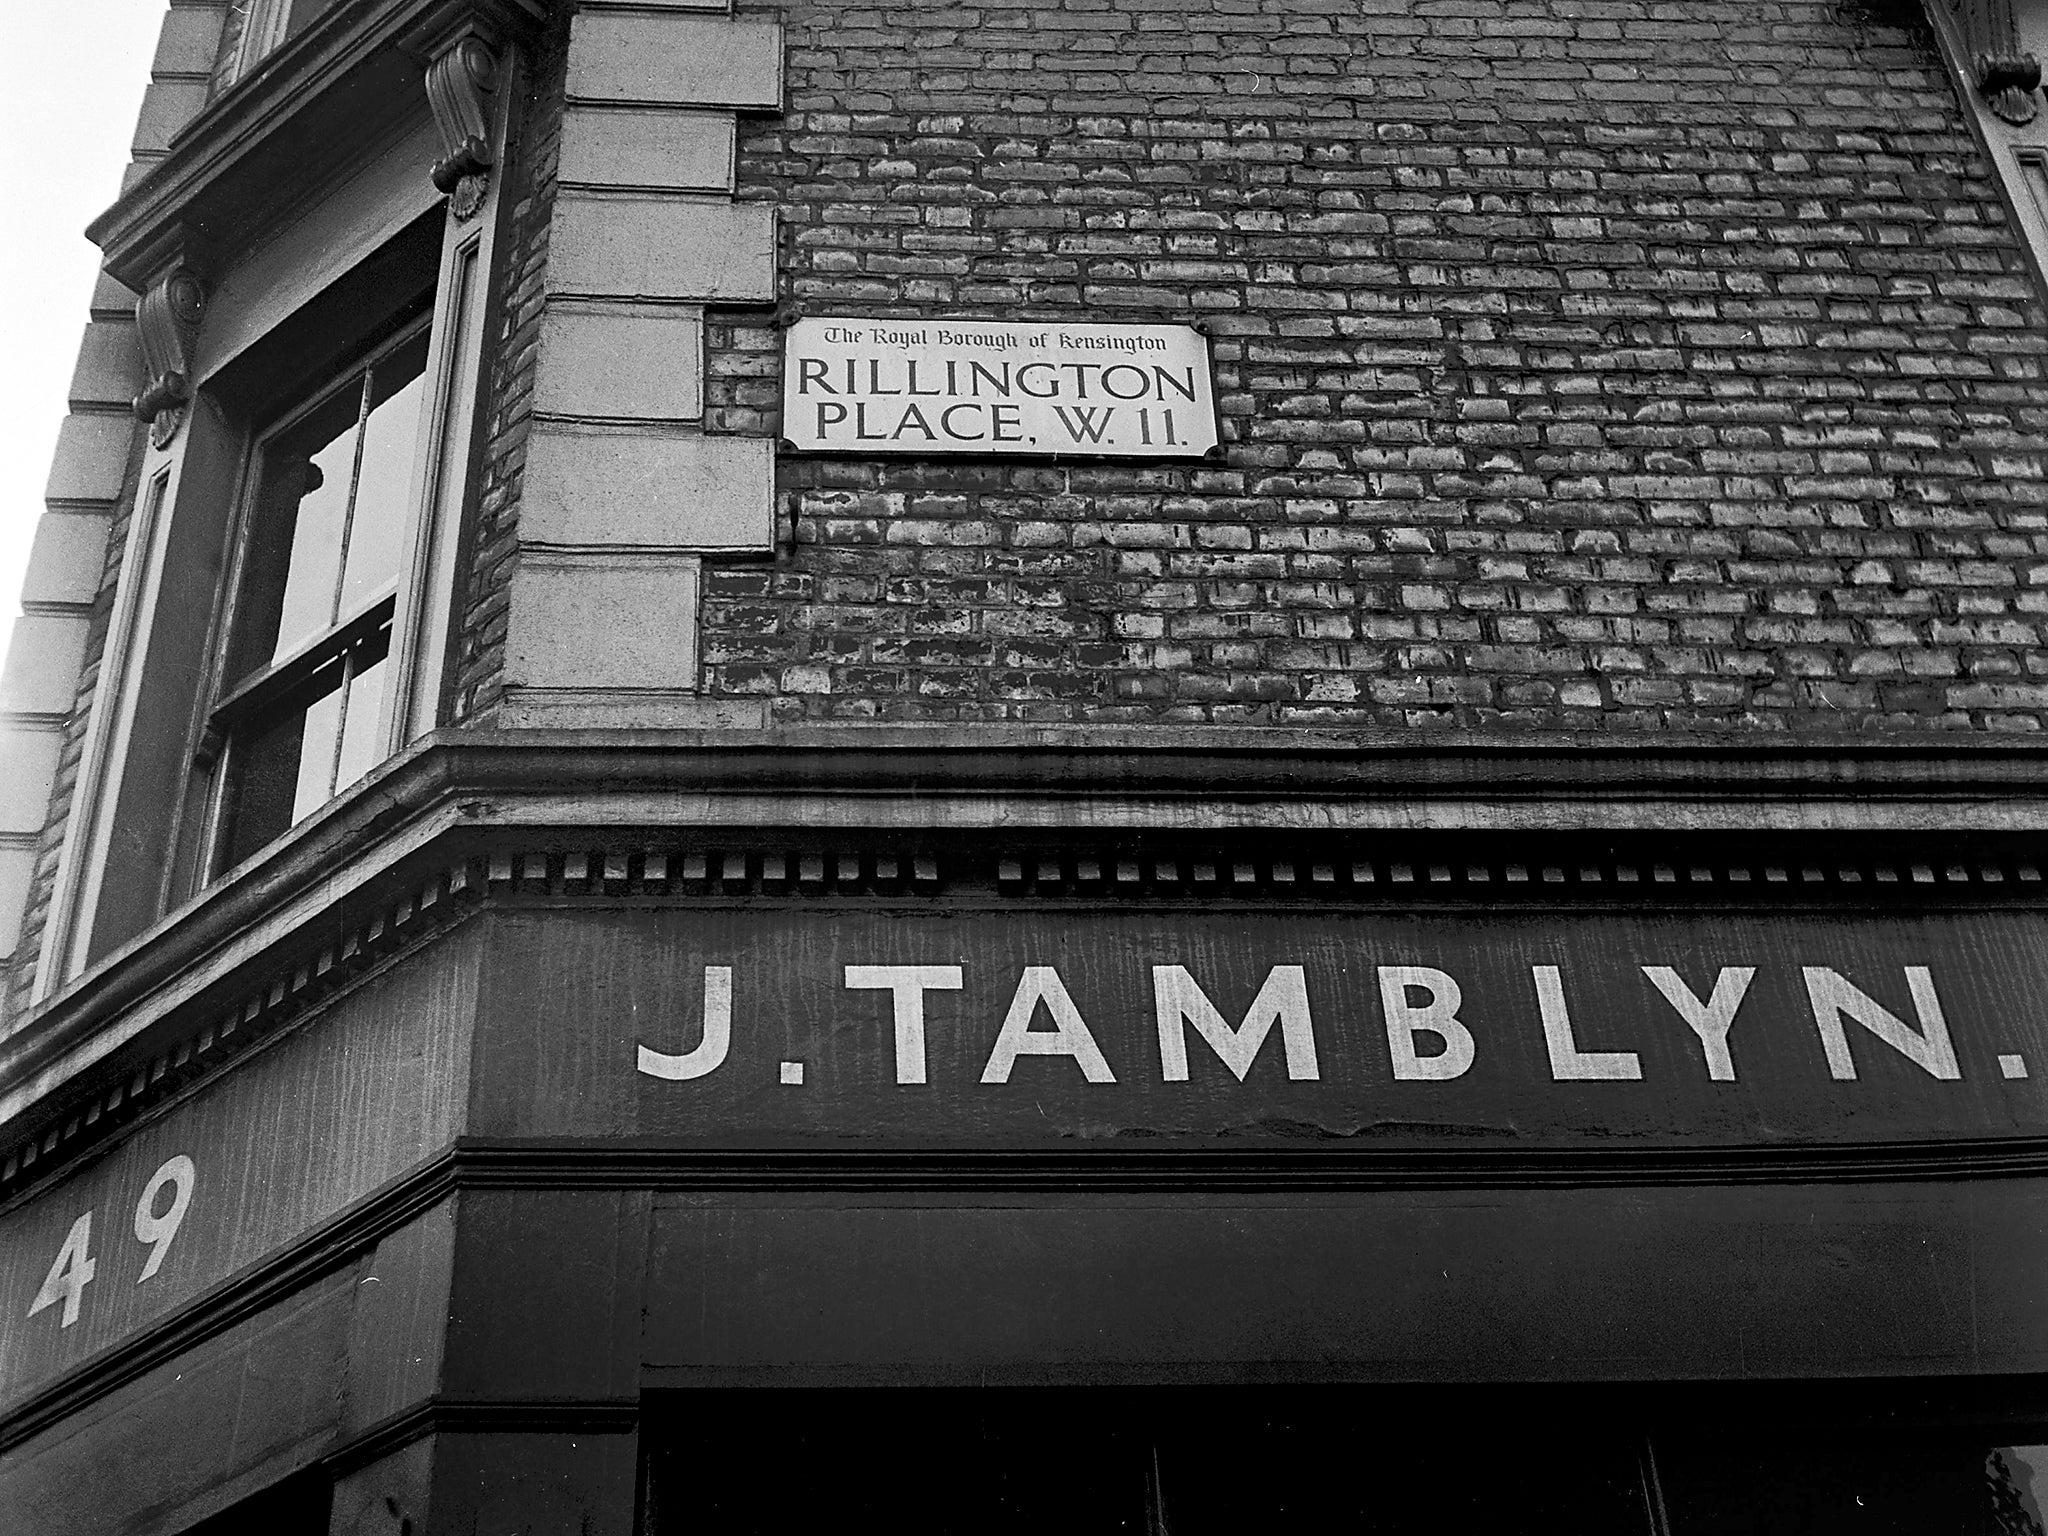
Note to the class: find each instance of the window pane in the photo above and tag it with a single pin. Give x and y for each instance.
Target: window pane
(384, 483)
(295, 538)
(277, 762)
(908, 1464)
(1836, 1484)
(266, 779)
(2018, 1475)
(362, 743)
(316, 753)
(1206, 1462)
(1236, 1470)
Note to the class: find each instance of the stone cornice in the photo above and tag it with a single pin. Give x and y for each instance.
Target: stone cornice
(1065, 761)
(438, 827)
(303, 114)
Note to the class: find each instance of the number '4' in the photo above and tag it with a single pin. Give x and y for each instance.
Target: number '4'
(69, 1275)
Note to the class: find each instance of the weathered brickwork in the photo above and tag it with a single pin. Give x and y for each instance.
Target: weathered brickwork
(480, 658)
(1589, 365)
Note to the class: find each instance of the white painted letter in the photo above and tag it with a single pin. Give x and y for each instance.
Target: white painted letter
(1177, 1000)
(1042, 984)
(1569, 1064)
(1438, 1016)
(1709, 1020)
(710, 1052)
(908, 983)
(1832, 997)
(70, 1273)
(155, 1230)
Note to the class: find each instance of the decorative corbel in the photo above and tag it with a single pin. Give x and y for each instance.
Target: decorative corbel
(2006, 75)
(167, 316)
(458, 80)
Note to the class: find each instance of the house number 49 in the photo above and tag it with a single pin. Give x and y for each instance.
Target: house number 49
(73, 1268)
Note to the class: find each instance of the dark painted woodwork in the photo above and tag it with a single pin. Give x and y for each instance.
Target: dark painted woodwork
(546, 1304)
(301, 1505)
(241, 1412)
(1120, 1463)
(1205, 1461)
(1032, 784)
(321, 1118)
(529, 1484)
(1197, 1166)
(318, 1374)
(390, 1496)
(1404, 1286)
(610, 1231)
(169, 654)
(399, 1329)
(569, 996)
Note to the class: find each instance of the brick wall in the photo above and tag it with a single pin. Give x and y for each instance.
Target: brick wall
(508, 377)
(1592, 365)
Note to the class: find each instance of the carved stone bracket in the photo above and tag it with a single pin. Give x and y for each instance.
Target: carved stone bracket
(458, 81)
(167, 316)
(2008, 82)
(2006, 75)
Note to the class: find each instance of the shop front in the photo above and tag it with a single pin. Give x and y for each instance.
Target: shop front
(781, 1140)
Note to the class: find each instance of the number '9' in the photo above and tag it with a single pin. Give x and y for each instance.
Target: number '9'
(157, 1230)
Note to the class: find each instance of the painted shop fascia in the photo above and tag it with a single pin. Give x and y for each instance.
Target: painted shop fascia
(1063, 961)
(1444, 811)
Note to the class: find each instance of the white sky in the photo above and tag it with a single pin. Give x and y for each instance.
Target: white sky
(71, 79)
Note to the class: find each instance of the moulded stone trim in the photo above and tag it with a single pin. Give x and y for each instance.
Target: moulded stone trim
(622, 709)
(621, 361)
(92, 458)
(113, 299)
(43, 660)
(109, 368)
(29, 752)
(652, 490)
(68, 559)
(188, 41)
(677, 59)
(672, 148)
(603, 620)
(167, 106)
(662, 248)
(17, 873)
(715, 7)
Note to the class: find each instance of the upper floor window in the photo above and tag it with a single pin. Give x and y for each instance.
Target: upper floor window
(287, 610)
(258, 28)
(299, 709)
